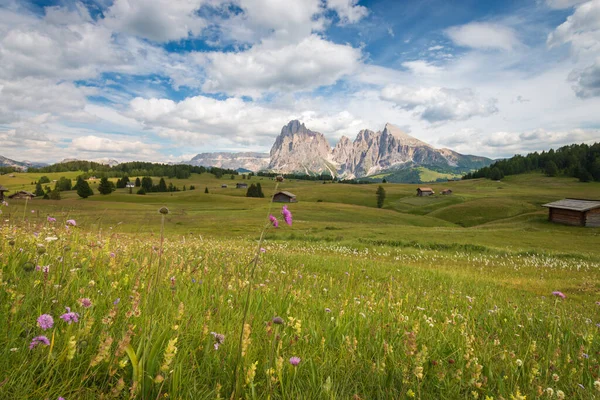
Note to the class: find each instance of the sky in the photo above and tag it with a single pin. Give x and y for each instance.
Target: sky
(163, 80)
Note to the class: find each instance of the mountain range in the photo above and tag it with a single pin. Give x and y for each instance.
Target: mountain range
(297, 149)
(7, 162)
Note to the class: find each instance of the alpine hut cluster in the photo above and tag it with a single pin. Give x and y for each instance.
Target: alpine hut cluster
(575, 212)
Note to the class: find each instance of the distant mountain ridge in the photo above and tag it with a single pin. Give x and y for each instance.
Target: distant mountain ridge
(7, 162)
(106, 161)
(297, 149)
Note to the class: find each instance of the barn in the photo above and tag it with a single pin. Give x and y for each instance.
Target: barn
(241, 185)
(424, 191)
(284, 197)
(2, 191)
(22, 194)
(446, 192)
(578, 212)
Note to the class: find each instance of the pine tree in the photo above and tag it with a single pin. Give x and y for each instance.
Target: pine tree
(39, 192)
(380, 196)
(384, 180)
(104, 187)
(205, 189)
(54, 195)
(162, 185)
(551, 168)
(251, 192)
(83, 189)
(259, 192)
(138, 183)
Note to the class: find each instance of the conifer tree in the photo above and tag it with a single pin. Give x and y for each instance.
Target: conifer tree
(380, 196)
(104, 187)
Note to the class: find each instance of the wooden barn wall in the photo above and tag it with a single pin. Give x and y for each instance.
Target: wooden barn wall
(592, 218)
(568, 217)
(281, 198)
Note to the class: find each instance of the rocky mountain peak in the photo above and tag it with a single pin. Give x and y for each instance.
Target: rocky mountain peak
(401, 137)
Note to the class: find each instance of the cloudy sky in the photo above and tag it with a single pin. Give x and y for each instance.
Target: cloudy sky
(162, 80)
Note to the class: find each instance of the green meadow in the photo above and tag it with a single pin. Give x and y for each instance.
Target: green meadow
(442, 297)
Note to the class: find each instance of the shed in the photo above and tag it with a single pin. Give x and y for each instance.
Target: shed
(2, 190)
(223, 186)
(424, 191)
(241, 186)
(578, 212)
(446, 191)
(284, 197)
(22, 194)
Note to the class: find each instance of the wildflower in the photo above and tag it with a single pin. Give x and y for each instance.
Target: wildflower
(70, 316)
(71, 348)
(550, 392)
(560, 395)
(597, 385)
(410, 393)
(262, 250)
(61, 398)
(295, 361)
(219, 339)
(277, 320)
(71, 222)
(45, 321)
(85, 302)
(273, 221)
(39, 340)
(555, 377)
(287, 215)
(112, 255)
(327, 310)
(559, 294)
(117, 301)
(50, 219)
(519, 363)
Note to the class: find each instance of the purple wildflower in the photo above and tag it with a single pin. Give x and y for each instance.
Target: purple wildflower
(70, 316)
(112, 255)
(71, 222)
(287, 215)
(219, 339)
(295, 361)
(45, 321)
(559, 294)
(274, 221)
(37, 340)
(327, 310)
(262, 250)
(50, 219)
(61, 398)
(117, 301)
(85, 302)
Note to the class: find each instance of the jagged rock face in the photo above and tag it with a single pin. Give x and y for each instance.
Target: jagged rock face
(298, 149)
(246, 160)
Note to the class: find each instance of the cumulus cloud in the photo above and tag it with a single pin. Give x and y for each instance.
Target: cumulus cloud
(438, 104)
(587, 81)
(484, 36)
(306, 65)
(348, 10)
(98, 144)
(581, 29)
(156, 20)
(559, 4)
(506, 144)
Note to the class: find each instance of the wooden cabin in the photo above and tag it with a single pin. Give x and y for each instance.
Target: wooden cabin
(284, 197)
(2, 191)
(577, 212)
(223, 186)
(424, 191)
(21, 194)
(446, 192)
(241, 186)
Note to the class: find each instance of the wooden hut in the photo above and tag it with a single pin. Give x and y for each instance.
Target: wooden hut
(223, 186)
(22, 194)
(446, 192)
(241, 186)
(284, 197)
(2, 191)
(424, 191)
(578, 212)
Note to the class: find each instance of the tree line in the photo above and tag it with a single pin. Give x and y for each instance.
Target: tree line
(580, 161)
(134, 168)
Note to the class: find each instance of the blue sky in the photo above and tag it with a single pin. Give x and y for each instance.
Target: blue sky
(162, 80)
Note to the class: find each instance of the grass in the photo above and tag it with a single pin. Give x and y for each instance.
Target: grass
(445, 297)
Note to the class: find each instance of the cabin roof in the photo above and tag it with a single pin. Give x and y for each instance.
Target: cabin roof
(425, 189)
(289, 194)
(574, 204)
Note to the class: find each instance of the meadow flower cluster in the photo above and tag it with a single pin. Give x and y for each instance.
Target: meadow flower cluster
(324, 320)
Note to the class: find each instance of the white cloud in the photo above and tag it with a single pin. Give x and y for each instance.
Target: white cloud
(484, 36)
(438, 104)
(348, 10)
(581, 29)
(587, 81)
(311, 63)
(97, 144)
(559, 4)
(156, 20)
(420, 67)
